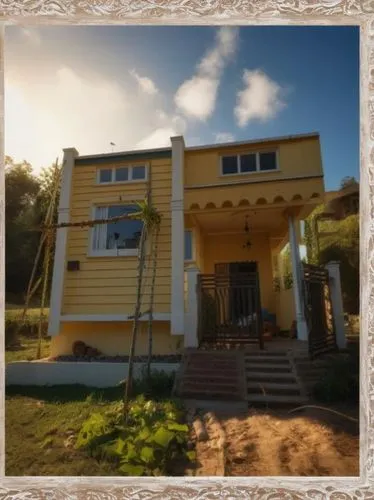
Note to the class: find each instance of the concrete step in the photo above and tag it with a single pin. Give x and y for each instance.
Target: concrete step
(276, 399)
(215, 379)
(273, 386)
(253, 376)
(267, 359)
(265, 368)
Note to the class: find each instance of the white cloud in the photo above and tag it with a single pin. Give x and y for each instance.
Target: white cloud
(146, 84)
(160, 137)
(197, 96)
(64, 112)
(224, 137)
(261, 99)
(32, 36)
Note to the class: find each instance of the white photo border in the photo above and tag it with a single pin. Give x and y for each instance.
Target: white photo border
(218, 12)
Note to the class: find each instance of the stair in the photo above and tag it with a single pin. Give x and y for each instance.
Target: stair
(271, 379)
(254, 377)
(207, 375)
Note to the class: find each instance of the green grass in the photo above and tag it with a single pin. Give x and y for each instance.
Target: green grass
(37, 426)
(26, 351)
(39, 421)
(13, 312)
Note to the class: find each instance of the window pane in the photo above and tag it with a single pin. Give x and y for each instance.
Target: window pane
(122, 174)
(229, 165)
(188, 245)
(105, 175)
(125, 233)
(268, 161)
(138, 173)
(248, 163)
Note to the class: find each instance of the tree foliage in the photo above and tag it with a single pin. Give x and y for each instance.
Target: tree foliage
(25, 207)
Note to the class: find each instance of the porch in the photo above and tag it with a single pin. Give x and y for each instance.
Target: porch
(236, 293)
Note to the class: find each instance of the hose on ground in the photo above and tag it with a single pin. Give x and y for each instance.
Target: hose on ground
(326, 409)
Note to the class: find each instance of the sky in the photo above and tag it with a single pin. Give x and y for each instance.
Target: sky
(136, 86)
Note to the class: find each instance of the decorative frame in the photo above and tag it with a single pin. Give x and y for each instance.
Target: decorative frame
(220, 12)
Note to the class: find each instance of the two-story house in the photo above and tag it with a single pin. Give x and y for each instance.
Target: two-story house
(226, 209)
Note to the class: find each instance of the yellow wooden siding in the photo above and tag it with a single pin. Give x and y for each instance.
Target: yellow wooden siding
(113, 338)
(229, 248)
(256, 194)
(107, 285)
(296, 157)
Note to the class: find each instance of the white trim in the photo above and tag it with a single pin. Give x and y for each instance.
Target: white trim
(237, 183)
(61, 239)
(206, 146)
(116, 252)
(337, 303)
(177, 237)
(130, 180)
(66, 318)
(302, 329)
(254, 141)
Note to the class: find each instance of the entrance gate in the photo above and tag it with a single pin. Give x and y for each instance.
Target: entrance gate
(318, 310)
(229, 308)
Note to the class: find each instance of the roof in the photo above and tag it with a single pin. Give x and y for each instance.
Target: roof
(166, 152)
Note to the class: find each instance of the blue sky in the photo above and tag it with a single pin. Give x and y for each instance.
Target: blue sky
(135, 86)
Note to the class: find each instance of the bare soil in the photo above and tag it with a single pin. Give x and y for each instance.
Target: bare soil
(262, 443)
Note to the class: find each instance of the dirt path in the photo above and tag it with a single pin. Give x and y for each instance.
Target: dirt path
(309, 443)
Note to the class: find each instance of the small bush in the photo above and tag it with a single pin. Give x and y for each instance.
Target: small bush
(28, 328)
(340, 382)
(159, 386)
(153, 438)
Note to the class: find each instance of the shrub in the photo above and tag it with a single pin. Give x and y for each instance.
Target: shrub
(340, 382)
(152, 439)
(159, 386)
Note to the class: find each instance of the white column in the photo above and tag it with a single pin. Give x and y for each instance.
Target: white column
(61, 238)
(302, 328)
(337, 303)
(177, 237)
(190, 335)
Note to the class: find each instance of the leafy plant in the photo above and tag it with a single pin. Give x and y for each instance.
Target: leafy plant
(153, 437)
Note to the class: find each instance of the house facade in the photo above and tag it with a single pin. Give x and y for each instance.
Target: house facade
(221, 204)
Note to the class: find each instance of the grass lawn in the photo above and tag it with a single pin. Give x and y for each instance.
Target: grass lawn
(38, 424)
(27, 350)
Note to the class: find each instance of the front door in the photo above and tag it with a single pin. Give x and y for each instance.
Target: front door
(242, 308)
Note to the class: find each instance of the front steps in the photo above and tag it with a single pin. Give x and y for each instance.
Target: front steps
(271, 378)
(250, 377)
(209, 375)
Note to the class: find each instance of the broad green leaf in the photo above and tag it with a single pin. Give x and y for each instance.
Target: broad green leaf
(173, 426)
(191, 455)
(130, 453)
(132, 470)
(147, 454)
(163, 437)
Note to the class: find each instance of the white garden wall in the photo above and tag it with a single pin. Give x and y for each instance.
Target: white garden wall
(92, 374)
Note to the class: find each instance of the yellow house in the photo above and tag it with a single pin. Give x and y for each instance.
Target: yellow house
(224, 207)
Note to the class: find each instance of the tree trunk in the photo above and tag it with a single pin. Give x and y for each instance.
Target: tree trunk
(135, 325)
(151, 302)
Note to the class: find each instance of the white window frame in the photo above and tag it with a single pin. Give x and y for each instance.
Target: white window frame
(130, 179)
(192, 259)
(115, 252)
(257, 171)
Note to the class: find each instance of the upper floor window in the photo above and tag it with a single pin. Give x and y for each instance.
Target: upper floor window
(249, 162)
(116, 238)
(122, 174)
